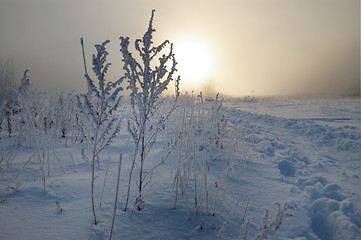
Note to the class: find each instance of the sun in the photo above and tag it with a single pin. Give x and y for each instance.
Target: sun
(194, 60)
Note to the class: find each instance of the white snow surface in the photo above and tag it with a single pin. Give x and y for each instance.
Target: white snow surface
(299, 150)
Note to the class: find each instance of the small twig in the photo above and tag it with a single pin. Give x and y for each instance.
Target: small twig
(200, 227)
(152, 169)
(25, 164)
(245, 210)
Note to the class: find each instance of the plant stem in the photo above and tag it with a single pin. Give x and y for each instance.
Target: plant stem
(93, 176)
(82, 47)
(105, 179)
(116, 196)
(92, 187)
(130, 174)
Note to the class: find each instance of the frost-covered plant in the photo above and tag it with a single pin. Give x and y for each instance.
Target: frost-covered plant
(219, 121)
(24, 92)
(196, 137)
(200, 135)
(146, 83)
(61, 117)
(190, 153)
(25, 84)
(36, 102)
(16, 117)
(24, 103)
(7, 97)
(27, 117)
(64, 113)
(9, 112)
(266, 229)
(99, 123)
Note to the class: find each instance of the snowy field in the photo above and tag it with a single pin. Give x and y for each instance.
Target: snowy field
(302, 152)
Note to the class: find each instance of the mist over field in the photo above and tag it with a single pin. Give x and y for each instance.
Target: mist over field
(277, 47)
(260, 139)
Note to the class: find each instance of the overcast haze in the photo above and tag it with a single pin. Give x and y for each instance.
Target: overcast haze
(270, 47)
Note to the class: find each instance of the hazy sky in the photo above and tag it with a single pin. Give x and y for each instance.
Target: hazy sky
(266, 46)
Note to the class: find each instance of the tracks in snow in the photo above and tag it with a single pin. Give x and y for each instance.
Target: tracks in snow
(321, 163)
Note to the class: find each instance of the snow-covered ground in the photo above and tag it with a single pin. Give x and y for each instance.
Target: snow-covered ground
(299, 150)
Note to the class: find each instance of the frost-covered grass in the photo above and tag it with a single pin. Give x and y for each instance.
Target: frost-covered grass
(299, 159)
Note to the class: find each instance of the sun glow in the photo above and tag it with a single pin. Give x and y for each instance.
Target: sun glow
(194, 61)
